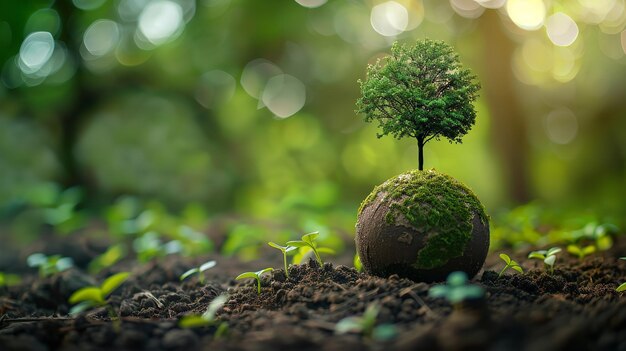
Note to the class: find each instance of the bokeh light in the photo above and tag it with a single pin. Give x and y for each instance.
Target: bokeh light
(561, 29)
(467, 8)
(161, 21)
(284, 95)
(35, 51)
(526, 14)
(88, 4)
(389, 18)
(215, 88)
(311, 3)
(561, 126)
(491, 4)
(101, 37)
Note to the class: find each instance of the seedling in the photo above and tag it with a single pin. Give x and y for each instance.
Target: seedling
(581, 252)
(149, 247)
(457, 290)
(96, 296)
(548, 257)
(49, 265)
(255, 275)
(308, 241)
(366, 325)
(207, 318)
(509, 264)
(356, 261)
(284, 250)
(199, 270)
(622, 286)
(107, 259)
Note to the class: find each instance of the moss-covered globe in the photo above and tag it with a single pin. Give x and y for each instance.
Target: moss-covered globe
(422, 225)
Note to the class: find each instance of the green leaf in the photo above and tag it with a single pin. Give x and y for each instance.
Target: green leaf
(36, 260)
(574, 250)
(265, 270)
(438, 291)
(518, 268)
(550, 260)
(536, 255)
(505, 258)
(326, 250)
(276, 246)
(88, 294)
(207, 265)
(621, 288)
(588, 250)
(297, 243)
(193, 321)
(553, 251)
(457, 278)
(310, 238)
(349, 325)
(214, 306)
(385, 332)
(83, 306)
(247, 275)
(113, 282)
(188, 273)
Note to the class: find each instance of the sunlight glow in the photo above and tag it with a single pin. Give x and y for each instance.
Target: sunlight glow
(311, 3)
(491, 4)
(35, 51)
(526, 14)
(389, 18)
(561, 29)
(561, 126)
(256, 74)
(101, 37)
(161, 21)
(467, 8)
(284, 95)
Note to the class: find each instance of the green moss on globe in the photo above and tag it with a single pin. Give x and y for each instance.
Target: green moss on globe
(422, 225)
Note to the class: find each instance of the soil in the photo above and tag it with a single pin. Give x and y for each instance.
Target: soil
(574, 308)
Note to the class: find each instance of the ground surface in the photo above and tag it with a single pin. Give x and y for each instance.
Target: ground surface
(576, 308)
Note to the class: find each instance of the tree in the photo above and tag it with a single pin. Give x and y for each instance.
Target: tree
(420, 91)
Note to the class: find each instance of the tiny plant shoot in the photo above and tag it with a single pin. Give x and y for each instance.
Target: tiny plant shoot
(357, 263)
(308, 241)
(456, 290)
(581, 252)
(548, 257)
(199, 271)
(49, 265)
(207, 318)
(284, 250)
(96, 296)
(509, 264)
(420, 91)
(621, 287)
(366, 325)
(256, 276)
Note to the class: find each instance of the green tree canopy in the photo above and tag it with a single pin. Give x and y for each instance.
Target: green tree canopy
(420, 91)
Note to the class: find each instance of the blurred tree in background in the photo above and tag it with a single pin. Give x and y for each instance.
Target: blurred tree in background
(248, 106)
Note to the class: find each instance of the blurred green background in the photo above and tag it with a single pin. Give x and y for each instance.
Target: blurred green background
(245, 108)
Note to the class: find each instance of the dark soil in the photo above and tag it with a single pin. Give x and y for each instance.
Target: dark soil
(575, 308)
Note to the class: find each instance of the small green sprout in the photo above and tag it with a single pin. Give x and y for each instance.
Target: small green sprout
(509, 264)
(284, 250)
(308, 241)
(581, 252)
(548, 257)
(366, 325)
(149, 247)
(49, 265)
(356, 261)
(199, 270)
(622, 286)
(456, 290)
(207, 318)
(107, 259)
(255, 275)
(8, 279)
(96, 296)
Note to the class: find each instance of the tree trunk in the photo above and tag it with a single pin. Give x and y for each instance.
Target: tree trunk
(420, 153)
